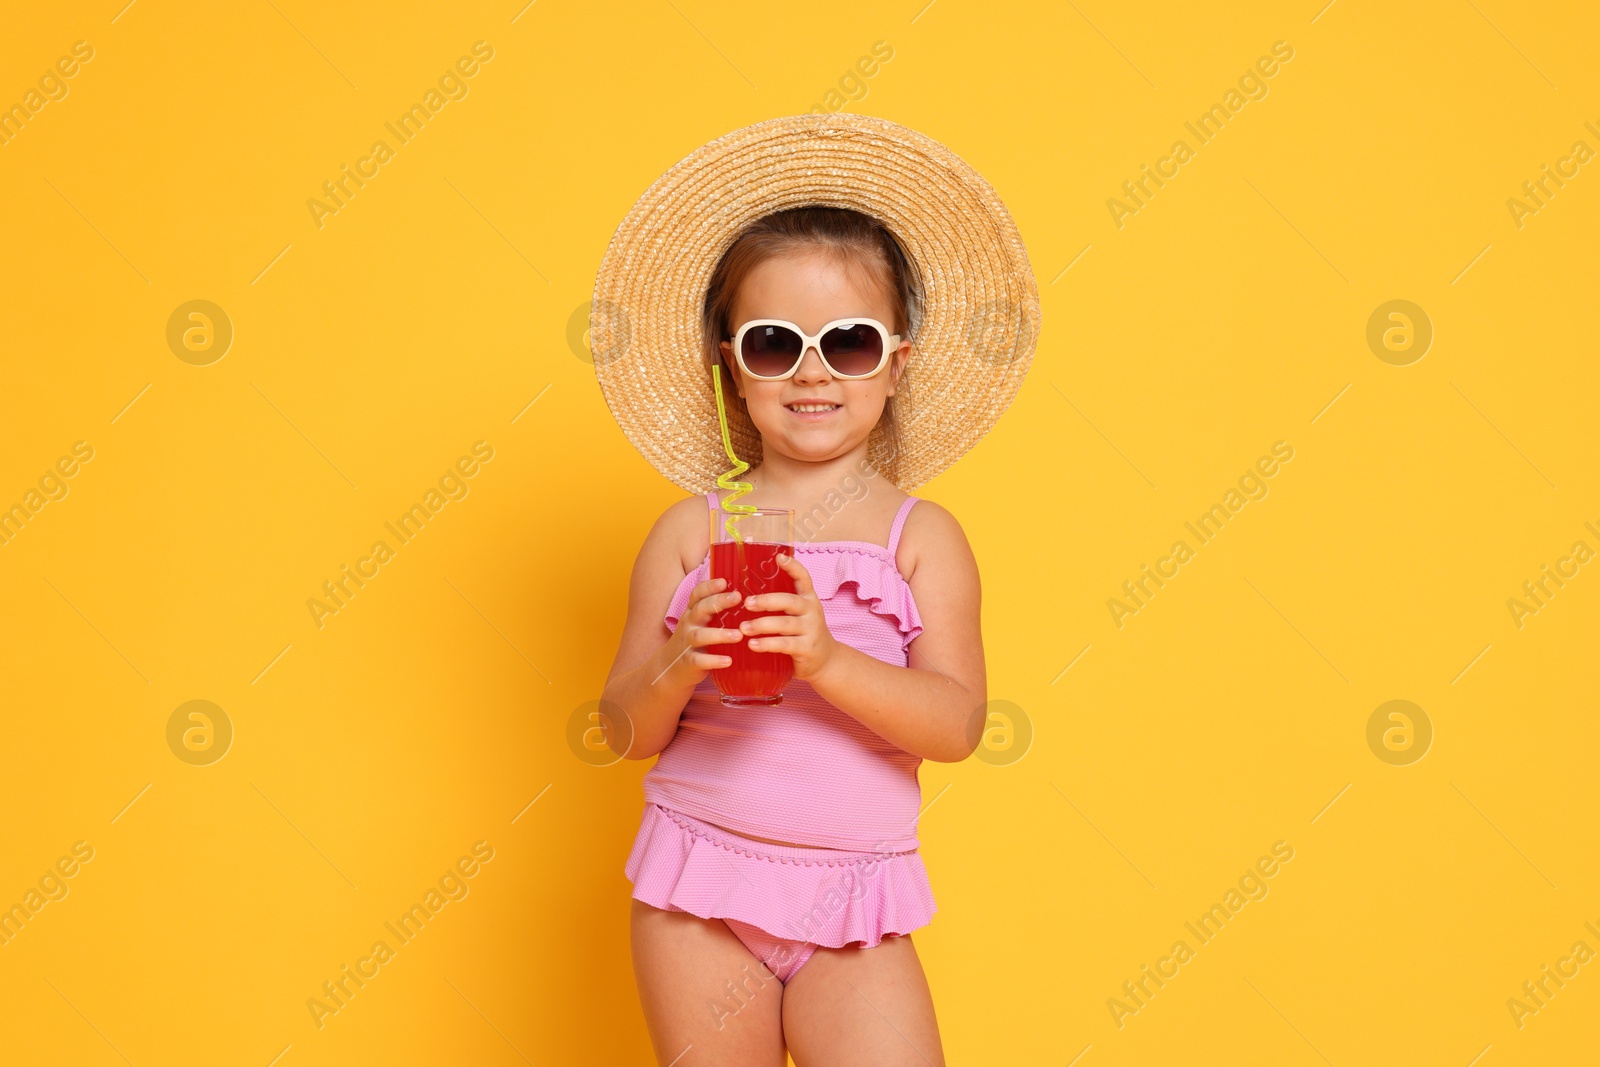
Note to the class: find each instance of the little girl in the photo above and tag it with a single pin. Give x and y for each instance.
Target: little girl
(776, 874)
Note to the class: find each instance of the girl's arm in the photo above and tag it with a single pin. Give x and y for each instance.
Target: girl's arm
(934, 706)
(653, 674)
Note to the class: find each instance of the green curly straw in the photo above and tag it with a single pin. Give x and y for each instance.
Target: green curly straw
(725, 480)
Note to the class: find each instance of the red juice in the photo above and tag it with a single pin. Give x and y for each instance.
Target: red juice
(751, 568)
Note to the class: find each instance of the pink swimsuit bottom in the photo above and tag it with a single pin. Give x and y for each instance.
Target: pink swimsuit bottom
(799, 771)
(682, 864)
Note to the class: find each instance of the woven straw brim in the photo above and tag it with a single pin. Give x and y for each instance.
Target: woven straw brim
(973, 333)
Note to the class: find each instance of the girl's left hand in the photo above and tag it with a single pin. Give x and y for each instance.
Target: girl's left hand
(801, 632)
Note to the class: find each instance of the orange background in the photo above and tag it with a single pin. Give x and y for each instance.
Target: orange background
(436, 309)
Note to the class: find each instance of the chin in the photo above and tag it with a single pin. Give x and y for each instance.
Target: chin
(814, 451)
(816, 444)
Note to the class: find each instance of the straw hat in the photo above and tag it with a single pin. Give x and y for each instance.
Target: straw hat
(972, 336)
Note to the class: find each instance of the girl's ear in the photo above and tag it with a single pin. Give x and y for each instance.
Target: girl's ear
(897, 365)
(731, 366)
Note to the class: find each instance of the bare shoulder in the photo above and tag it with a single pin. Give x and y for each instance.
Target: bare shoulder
(932, 541)
(676, 544)
(666, 556)
(943, 576)
(685, 527)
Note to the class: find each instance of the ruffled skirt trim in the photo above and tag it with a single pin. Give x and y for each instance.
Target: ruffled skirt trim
(829, 897)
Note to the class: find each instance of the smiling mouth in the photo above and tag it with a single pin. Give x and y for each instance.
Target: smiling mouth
(813, 409)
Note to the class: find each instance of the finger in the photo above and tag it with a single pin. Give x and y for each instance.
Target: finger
(773, 644)
(789, 603)
(709, 661)
(773, 624)
(715, 602)
(714, 635)
(796, 570)
(709, 586)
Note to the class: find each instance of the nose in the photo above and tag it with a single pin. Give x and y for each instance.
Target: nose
(812, 368)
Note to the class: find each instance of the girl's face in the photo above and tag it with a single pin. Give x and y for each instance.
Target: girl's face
(810, 289)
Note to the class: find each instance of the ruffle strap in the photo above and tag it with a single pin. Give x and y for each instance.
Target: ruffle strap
(876, 581)
(680, 600)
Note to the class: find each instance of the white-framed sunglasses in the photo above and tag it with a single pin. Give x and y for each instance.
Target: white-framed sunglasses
(770, 350)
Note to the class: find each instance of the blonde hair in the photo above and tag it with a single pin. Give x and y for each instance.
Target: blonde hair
(861, 243)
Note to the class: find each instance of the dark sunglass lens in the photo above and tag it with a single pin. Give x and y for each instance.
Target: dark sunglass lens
(853, 349)
(770, 350)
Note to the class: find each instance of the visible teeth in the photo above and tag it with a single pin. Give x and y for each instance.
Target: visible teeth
(812, 407)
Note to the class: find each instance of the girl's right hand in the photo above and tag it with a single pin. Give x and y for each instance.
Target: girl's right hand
(694, 631)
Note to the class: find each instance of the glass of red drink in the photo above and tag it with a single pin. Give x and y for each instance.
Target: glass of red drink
(750, 567)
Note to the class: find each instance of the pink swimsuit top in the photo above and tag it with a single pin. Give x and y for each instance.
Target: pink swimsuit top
(804, 771)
